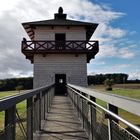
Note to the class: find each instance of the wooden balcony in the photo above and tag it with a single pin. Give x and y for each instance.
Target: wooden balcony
(29, 48)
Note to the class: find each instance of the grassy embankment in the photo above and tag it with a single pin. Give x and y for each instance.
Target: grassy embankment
(129, 90)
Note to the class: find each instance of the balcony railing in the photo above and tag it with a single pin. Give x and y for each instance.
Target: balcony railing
(90, 48)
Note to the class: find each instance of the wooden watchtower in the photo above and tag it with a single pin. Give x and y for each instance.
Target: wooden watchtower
(60, 50)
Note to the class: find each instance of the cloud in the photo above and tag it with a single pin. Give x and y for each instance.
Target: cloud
(126, 53)
(115, 32)
(134, 75)
(114, 52)
(13, 62)
(115, 68)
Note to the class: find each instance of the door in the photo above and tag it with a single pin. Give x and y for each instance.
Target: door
(60, 41)
(60, 84)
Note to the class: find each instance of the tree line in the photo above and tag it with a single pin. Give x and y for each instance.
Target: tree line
(15, 83)
(119, 78)
(27, 83)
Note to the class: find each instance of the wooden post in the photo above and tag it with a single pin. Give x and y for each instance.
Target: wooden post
(39, 110)
(10, 123)
(37, 113)
(83, 111)
(30, 119)
(93, 118)
(47, 101)
(114, 109)
(44, 98)
(42, 105)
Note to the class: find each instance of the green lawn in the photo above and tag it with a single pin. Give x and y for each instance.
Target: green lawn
(132, 93)
(7, 93)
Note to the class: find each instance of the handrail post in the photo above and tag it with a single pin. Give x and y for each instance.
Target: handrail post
(83, 112)
(114, 109)
(47, 102)
(37, 113)
(93, 119)
(42, 105)
(30, 119)
(78, 106)
(39, 110)
(10, 123)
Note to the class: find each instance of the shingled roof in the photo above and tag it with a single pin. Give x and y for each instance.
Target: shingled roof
(59, 20)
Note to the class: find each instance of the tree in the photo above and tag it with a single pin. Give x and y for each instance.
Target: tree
(19, 88)
(108, 83)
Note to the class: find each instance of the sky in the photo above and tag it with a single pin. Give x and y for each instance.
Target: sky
(118, 33)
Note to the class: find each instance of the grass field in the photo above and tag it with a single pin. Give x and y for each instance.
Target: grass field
(129, 90)
(7, 93)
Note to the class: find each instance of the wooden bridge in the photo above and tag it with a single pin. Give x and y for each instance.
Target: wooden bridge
(75, 116)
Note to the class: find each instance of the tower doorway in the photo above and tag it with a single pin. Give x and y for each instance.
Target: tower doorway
(60, 84)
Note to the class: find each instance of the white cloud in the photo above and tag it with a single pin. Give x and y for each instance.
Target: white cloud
(114, 51)
(107, 51)
(115, 32)
(134, 75)
(116, 68)
(7, 5)
(14, 12)
(126, 53)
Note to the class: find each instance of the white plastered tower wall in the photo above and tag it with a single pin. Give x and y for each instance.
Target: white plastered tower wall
(47, 33)
(45, 68)
(74, 66)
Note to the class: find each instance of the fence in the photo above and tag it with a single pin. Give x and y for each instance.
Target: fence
(99, 122)
(23, 113)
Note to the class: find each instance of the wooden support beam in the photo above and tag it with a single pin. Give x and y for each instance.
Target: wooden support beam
(30, 119)
(10, 123)
(92, 118)
(113, 109)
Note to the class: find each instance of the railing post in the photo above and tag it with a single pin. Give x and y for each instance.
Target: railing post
(42, 105)
(78, 103)
(47, 102)
(37, 113)
(83, 111)
(114, 109)
(30, 119)
(39, 110)
(10, 123)
(49, 98)
(93, 119)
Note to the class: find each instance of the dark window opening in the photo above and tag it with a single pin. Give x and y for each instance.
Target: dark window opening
(60, 41)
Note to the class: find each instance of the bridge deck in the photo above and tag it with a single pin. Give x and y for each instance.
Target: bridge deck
(62, 122)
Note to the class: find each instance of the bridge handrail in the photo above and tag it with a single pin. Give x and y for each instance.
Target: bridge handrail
(126, 103)
(9, 101)
(113, 115)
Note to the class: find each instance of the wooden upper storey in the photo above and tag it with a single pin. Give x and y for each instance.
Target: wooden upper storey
(59, 35)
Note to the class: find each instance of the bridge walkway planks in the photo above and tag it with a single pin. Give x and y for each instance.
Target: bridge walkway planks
(62, 122)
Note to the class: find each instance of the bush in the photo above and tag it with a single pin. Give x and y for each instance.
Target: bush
(108, 83)
(19, 88)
